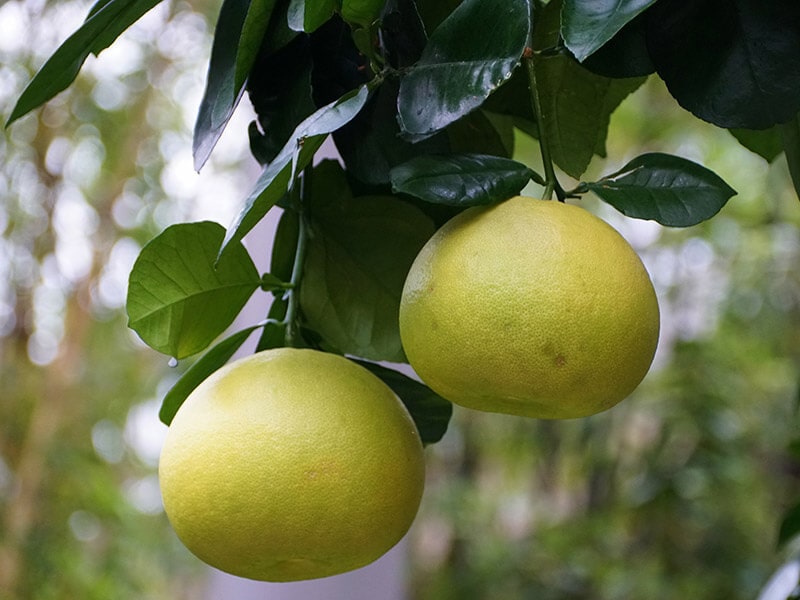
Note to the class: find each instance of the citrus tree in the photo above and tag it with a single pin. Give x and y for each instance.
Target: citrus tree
(422, 99)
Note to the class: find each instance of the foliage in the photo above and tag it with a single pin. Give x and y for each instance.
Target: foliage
(356, 70)
(425, 101)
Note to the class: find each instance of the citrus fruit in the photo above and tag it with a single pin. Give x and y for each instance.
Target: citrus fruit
(529, 307)
(291, 464)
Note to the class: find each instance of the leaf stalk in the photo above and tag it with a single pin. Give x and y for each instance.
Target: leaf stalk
(301, 192)
(550, 180)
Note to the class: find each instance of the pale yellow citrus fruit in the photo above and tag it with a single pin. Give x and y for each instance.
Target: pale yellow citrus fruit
(529, 307)
(291, 464)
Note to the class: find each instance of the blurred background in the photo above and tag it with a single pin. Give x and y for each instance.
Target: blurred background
(677, 492)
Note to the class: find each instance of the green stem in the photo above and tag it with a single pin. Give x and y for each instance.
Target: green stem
(300, 194)
(551, 181)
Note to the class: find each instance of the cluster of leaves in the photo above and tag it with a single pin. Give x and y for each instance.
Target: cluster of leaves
(422, 98)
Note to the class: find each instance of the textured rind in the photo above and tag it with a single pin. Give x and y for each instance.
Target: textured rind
(291, 464)
(531, 308)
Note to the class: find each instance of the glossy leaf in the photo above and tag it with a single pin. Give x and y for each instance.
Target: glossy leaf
(211, 361)
(106, 21)
(431, 412)
(577, 106)
(732, 63)
(403, 32)
(471, 54)
(586, 26)
(764, 142)
(433, 12)
(624, 55)
(482, 133)
(296, 154)
(668, 189)
(240, 29)
(790, 138)
(461, 180)
(309, 15)
(178, 301)
(357, 260)
(370, 144)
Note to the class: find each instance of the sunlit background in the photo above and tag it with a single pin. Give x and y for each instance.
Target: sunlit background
(676, 493)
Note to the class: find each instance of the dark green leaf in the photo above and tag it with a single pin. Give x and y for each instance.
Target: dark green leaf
(625, 55)
(431, 412)
(461, 180)
(764, 142)
(586, 26)
(178, 302)
(403, 33)
(790, 525)
(433, 12)
(256, 23)
(576, 109)
(212, 360)
(730, 62)
(357, 260)
(339, 66)
(790, 138)
(481, 133)
(370, 144)
(309, 15)
(240, 29)
(284, 245)
(298, 152)
(280, 91)
(106, 21)
(471, 54)
(668, 189)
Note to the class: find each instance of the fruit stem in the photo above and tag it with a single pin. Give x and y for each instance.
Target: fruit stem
(551, 181)
(300, 194)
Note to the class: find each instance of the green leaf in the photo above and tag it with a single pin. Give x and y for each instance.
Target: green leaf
(106, 21)
(764, 142)
(212, 360)
(431, 412)
(668, 189)
(790, 525)
(586, 26)
(178, 302)
(274, 333)
(433, 12)
(357, 260)
(281, 93)
(296, 154)
(239, 32)
(271, 283)
(732, 63)
(625, 55)
(309, 15)
(471, 54)
(370, 144)
(790, 138)
(461, 180)
(576, 109)
(482, 133)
